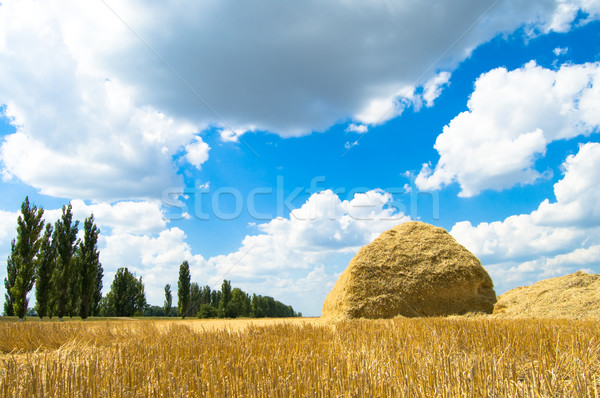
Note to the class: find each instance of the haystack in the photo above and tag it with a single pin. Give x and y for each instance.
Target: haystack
(413, 270)
(571, 296)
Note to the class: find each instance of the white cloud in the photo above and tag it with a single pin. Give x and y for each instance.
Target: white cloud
(512, 117)
(8, 225)
(560, 51)
(287, 258)
(559, 237)
(155, 257)
(197, 152)
(227, 135)
(357, 128)
(99, 116)
(577, 194)
(433, 88)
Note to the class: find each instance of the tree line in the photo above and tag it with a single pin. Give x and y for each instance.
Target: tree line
(203, 302)
(67, 275)
(66, 270)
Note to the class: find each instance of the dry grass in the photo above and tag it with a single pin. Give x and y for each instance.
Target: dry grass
(435, 357)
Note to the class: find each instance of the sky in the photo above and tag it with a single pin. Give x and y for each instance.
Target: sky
(267, 142)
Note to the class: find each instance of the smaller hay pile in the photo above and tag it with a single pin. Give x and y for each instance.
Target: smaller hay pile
(414, 269)
(572, 296)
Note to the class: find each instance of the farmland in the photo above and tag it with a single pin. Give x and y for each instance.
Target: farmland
(446, 357)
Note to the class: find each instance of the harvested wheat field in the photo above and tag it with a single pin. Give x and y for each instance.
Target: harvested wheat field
(571, 296)
(426, 357)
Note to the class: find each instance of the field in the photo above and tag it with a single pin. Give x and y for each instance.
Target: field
(434, 357)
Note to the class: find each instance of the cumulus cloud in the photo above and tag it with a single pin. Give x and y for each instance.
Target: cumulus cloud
(357, 128)
(560, 51)
(559, 237)
(512, 117)
(433, 88)
(288, 254)
(197, 152)
(155, 257)
(99, 116)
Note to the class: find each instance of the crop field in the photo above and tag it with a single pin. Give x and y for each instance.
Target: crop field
(433, 357)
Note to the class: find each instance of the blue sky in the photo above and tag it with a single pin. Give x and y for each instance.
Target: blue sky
(266, 143)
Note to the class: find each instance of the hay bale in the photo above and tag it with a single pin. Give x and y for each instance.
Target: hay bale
(414, 269)
(572, 296)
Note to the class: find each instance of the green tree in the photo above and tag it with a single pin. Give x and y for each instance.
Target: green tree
(225, 298)
(207, 311)
(88, 261)
(195, 299)
(29, 228)
(168, 299)
(9, 281)
(97, 297)
(124, 296)
(64, 279)
(215, 298)
(239, 306)
(46, 262)
(183, 289)
(205, 295)
(140, 300)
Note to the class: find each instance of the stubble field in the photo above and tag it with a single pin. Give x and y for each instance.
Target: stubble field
(433, 357)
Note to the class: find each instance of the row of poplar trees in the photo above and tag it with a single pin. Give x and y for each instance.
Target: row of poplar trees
(203, 302)
(66, 271)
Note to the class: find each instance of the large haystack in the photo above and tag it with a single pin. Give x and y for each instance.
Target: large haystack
(571, 296)
(414, 269)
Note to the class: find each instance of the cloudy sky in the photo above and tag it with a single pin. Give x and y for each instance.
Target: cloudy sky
(266, 142)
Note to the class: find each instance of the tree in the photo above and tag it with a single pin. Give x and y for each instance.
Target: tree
(183, 289)
(195, 299)
(205, 295)
(63, 277)
(215, 298)
(207, 311)
(97, 297)
(168, 299)
(9, 281)
(140, 300)
(239, 306)
(225, 298)
(29, 228)
(126, 296)
(88, 261)
(46, 262)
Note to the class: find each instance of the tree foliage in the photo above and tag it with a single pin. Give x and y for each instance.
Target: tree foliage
(126, 296)
(183, 289)
(29, 228)
(168, 300)
(64, 279)
(9, 281)
(88, 262)
(43, 282)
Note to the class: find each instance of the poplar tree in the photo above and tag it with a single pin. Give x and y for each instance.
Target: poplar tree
(168, 299)
(126, 296)
(46, 262)
(63, 278)
(225, 299)
(88, 261)
(97, 297)
(140, 298)
(183, 289)
(195, 299)
(29, 228)
(9, 281)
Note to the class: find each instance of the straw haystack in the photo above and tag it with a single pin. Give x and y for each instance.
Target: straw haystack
(414, 269)
(571, 296)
